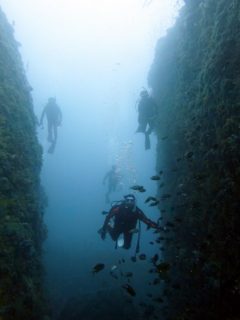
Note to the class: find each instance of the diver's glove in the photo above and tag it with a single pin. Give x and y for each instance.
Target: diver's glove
(102, 233)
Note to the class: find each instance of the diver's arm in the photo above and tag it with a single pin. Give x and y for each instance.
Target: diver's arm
(111, 214)
(147, 221)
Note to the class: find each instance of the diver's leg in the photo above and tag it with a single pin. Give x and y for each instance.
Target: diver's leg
(50, 139)
(54, 133)
(114, 233)
(127, 240)
(147, 141)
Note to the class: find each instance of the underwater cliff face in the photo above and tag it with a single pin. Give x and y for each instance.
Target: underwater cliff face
(195, 79)
(21, 197)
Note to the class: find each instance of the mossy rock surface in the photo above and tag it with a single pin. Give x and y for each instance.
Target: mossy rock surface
(195, 78)
(21, 197)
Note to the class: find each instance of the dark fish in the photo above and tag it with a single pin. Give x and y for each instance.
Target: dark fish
(156, 177)
(98, 267)
(104, 212)
(161, 172)
(188, 155)
(134, 259)
(151, 270)
(123, 260)
(150, 199)
(164, 138)
(142, 256)
(153, 204)
(129, 289)
(154, 259)
(151, 242)
(137, 188)
(161, 185)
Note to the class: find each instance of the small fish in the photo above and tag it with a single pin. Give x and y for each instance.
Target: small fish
(98, 267)
(150, 199)
(134, 259)
(164, 138)
(129, 289)
(104, 212)
(161, 185)
(188, 155)
(151, 242)
(161, 172)
(142, 256)
(153, 204)
(154, 259)
(152, 271)
(114, 267)
(137, 188)
(156, 177)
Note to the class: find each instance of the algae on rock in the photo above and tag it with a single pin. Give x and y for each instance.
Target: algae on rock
(195, 78)
(22, 230)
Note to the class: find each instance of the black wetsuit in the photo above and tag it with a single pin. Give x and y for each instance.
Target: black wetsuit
(124, 221)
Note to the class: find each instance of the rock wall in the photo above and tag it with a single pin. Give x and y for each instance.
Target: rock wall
(195, 79)
(21, 198)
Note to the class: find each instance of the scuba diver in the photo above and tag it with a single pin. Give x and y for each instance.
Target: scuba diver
(113, 176)
(54, 119)
(126, 215)
(147, 109)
